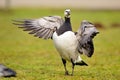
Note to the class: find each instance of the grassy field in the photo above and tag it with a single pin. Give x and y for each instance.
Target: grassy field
(36, 59)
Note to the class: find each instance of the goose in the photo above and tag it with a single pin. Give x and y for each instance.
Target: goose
(6, 72)
(69, 44)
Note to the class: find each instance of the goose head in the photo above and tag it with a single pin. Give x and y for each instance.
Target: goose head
(67, 13)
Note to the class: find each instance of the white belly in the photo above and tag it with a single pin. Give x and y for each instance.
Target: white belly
(66, 45)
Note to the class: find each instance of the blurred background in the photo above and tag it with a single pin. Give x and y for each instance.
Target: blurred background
(80, 4)
(29, 55)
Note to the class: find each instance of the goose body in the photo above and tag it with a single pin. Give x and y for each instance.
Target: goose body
(66, 44)
(69, 44)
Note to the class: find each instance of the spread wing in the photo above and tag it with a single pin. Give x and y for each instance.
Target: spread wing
(85, 34)
(42, 27)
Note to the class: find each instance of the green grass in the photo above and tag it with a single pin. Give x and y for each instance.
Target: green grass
(36, 59)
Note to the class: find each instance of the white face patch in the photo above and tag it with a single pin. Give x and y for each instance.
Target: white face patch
(67, 12)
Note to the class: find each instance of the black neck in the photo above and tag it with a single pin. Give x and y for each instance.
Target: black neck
(68, 22)
(67, 19)
(65, 27)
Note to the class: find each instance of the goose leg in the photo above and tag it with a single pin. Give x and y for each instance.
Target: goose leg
(73, 65)
(64, 63)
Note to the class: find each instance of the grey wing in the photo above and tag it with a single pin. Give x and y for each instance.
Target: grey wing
(85, 34)
(43, 27)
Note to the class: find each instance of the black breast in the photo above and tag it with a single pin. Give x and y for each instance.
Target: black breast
(65, 27)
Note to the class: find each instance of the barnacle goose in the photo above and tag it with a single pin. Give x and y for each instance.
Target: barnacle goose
(6, 72)
(69, 44)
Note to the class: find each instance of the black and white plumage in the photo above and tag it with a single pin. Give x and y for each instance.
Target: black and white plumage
(69, 44)
(6, 72)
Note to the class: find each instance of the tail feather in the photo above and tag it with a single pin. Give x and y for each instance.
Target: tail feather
(82, 63)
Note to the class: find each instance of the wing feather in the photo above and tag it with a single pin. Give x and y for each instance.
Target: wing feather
(85, 34)
(46, 35)
(50, 33)
(39, 32)
(42, 27)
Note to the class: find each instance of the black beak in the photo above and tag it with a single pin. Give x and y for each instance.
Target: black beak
(68, 13)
